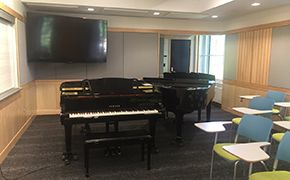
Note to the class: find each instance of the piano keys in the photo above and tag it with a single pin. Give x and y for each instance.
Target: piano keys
(183, 93)
(107, 100)
(112, 113)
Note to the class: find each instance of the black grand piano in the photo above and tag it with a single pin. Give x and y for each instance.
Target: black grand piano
(105, 100)
(183, 93)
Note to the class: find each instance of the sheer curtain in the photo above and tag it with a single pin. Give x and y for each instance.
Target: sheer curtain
(8, 65)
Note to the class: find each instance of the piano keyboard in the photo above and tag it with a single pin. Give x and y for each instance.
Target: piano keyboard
(112, 113)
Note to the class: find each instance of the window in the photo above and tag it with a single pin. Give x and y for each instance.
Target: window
(206, 54)
(8, 64)
(211, 55)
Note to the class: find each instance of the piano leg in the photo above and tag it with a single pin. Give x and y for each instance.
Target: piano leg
(68, 155)
(199, 114)
(152, 128)
(179, 119)
(208, 111)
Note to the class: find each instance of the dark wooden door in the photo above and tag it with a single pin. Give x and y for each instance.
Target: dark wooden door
(180, 55)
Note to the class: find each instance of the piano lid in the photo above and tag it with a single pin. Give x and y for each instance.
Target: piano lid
(192, 75)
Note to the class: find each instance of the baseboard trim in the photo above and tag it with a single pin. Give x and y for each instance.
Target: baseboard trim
(47, 112)
(14, 140)
(216, 104)
(230, 110)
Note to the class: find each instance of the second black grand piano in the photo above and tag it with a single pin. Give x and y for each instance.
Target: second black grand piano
(183, 93)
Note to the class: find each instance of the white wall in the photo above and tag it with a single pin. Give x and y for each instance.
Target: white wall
(263, 17)
(26, 70)
(16, 5)
(280, 61)
(154, 23)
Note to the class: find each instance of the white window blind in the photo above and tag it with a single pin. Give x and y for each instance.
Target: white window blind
(8, 65)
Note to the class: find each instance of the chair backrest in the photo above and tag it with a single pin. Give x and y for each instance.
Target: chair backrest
(262, 103)
(283, 152)
(256, 128)
(276, 95)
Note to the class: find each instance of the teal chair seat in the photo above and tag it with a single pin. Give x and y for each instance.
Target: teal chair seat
(274, 175)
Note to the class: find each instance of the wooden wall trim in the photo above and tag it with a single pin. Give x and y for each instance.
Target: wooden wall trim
(162, 31)
(11, 12)
(261, 26)
(255, 86)
(14, 140)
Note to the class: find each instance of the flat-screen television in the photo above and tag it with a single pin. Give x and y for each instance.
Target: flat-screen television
(64, 39)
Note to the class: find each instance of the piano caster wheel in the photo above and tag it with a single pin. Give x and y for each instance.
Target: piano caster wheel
(68, 157)
(155, 150)
(178, 141)
(67, 162)
(64, 157)
(75, 157)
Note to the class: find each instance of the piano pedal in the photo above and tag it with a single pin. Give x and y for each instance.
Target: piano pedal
(113, 151)
(75, 157)
(118, 150)
(107, 152)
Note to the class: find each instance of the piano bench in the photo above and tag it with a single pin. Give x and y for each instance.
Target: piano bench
(93, 140)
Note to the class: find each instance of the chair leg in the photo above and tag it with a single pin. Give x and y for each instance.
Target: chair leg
(149, 155)
(235, 170)
(270, 148)
(86, 159)
(265, 166)
(211, 165)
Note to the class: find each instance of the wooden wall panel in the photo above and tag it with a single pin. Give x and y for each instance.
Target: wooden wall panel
(245, 53)
(16, 113)
(48, 96)
(233, 89)
(254, 50)
(261, 56)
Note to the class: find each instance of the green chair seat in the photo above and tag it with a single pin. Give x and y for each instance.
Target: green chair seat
(218, 148)
(275, 111)
(277, 136)
(287, 118)
(236, 120)
(272, 175)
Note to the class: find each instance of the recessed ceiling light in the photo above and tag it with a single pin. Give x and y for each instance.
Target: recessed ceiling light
(156, 13)
(256, 4)
(214, 16)
(91, 9)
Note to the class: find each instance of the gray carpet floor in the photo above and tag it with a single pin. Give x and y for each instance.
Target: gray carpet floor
(37, 155)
